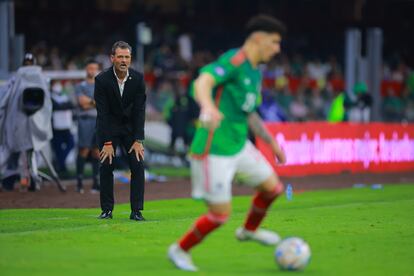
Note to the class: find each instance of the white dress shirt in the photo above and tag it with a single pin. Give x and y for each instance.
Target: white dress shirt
(121, 83)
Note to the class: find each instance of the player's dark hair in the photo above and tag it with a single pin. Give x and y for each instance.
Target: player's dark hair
(265, 23)
(120, 44)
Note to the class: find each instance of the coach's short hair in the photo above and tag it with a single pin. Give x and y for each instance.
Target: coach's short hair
(265, 23)
(120, 44)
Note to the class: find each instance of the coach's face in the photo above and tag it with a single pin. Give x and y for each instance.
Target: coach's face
(269, 45)
(121, 59)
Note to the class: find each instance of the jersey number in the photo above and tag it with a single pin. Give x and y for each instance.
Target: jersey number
(249, 102)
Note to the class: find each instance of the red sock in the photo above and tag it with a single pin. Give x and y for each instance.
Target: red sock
(260, 204)
(202, 227)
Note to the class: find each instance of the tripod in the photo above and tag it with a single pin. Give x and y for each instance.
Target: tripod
(31, 171)
(54, 177)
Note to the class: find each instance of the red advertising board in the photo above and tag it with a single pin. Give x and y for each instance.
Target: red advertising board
(327, 148)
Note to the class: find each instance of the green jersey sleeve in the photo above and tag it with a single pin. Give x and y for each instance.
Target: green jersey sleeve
(224, 68)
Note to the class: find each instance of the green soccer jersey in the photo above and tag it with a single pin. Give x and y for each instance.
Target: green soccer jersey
(236, 94)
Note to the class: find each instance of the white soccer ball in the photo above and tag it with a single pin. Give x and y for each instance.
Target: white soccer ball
(292, 254)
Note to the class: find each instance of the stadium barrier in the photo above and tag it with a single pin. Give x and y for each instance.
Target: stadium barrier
(325, 148)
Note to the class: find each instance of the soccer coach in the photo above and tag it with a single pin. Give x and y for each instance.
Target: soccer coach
(120, 103)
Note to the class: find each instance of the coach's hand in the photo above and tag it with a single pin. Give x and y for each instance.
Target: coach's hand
(107, 152)
(139, 150)
(278, 152)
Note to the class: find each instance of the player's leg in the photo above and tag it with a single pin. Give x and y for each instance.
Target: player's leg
(265, 195)
(259, 174)
(80, 167)
(216, 216)
(211, 179)
(88, 147)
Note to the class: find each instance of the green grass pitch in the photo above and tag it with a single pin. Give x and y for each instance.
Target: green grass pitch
(350, 231)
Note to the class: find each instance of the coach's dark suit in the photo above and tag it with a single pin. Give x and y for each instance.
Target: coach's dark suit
(121, 121)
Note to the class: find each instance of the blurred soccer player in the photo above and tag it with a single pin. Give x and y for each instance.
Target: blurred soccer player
(228, 92)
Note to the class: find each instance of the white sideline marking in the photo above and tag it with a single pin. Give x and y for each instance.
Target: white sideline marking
(35, 219)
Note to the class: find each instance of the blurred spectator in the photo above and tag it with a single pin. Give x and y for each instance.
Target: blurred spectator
(336, 83)
(40, 51)
(386, 71)
(297, 66)
(71, 65)
(400, 73)
(298, 109)
(318, 71)
(333, 66)
(185, 47)
(409, 98)
(360, 111)
(176, 113)
(316, 104)
(163, 93)
(392, 106)
(164, 60)
(337, 109)
(62, 122)
(102, 58)
(55, 59)
(409, 111)
(269, 110)
(283, 96)
(409, 93)
(87, 144)
(277, 68)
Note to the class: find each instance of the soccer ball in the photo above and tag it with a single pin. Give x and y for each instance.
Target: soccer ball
(292, 254)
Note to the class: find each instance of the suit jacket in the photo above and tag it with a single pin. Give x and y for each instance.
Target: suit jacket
(119, 115)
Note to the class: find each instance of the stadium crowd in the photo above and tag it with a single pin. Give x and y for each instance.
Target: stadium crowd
(294, 88)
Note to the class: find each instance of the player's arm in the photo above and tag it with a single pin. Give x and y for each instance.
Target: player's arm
(86, 102)
(210, 116)
(203, 86)
(257, 127)
(211, 76)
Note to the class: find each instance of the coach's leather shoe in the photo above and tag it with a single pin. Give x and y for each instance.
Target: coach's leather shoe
(136, 216)
(105, 215)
